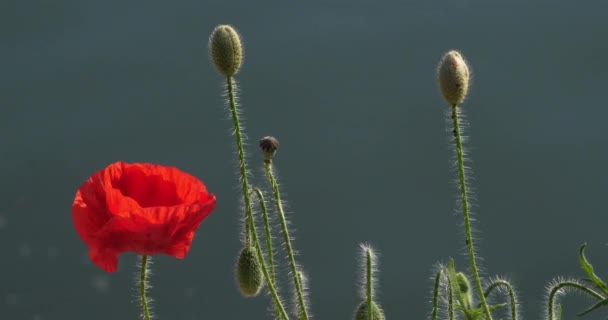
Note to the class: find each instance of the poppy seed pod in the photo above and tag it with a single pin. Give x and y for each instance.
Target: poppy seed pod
(249, 273)
(226, 50)
(269, 146)
(454, 77)
(361, 314)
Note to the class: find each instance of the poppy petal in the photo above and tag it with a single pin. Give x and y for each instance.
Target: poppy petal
(142, 208)
(108, 261)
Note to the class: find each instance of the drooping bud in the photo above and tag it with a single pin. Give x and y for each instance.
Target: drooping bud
(249, 273)
(269, 146)
(226, 50)
(454, 77)
(362, 313)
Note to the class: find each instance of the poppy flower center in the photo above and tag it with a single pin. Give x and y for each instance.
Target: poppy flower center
(147, 190)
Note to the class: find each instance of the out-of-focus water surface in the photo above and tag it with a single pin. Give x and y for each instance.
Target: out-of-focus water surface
(349, 88)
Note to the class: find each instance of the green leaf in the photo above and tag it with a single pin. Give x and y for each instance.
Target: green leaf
(595, 306)
(497, 306)
(588, 268)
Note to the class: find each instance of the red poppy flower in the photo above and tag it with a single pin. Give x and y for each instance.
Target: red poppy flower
(141, 207)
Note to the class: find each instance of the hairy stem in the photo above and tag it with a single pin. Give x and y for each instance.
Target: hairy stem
(370, 285)
(287, 239)
(142, 287)
(241, 152)
(567, 284)
(465, 210)
(271, 285)
(502, 283)
(264, 209)
(260, 196)
(436, 294)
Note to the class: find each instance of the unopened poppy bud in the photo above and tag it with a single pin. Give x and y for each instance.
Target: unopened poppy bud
(453, 77)
(463, 282)
(226, 50)
(249, 273)
(465, 287)
(269, 146)
(362, 313)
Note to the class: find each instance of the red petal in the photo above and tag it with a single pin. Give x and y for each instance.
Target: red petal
(142, 208)
(108, 261)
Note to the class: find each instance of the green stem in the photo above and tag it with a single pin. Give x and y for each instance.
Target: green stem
(436, 289)
(465, 211)
(506, 284)
(260, 196)
(264, 209)
(436, 294)
(369, 285)
(287, 239)
(271, 285)
(239, 145)
(142, 287)
(450, 300)
(555, 289)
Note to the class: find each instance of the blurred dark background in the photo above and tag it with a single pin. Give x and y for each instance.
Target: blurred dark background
(349, 89)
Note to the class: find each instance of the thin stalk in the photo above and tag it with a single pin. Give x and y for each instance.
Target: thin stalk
(264, 209)
(370, 285)
(436, 294)
(555, 289)
(260, 196)
(271, 286)
(142, 287)
(450, 299)
(292, 261)
(241, 152)
(465, 211)
(506, 284)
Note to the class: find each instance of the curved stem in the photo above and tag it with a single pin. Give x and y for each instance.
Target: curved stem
(465, 210)
(287, 239)
(503, 283)
(241, 152)
(260, 196)
(555, 289)
(370, 285)
(271, 285)
(142, 287)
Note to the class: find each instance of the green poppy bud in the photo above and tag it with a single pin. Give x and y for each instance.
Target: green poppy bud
(226, 50)
(249, 273)
(463, 282)
(361, 314)
(465, 287)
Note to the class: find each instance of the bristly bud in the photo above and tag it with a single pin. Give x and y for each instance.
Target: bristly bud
(269, 146)
(226, 50)
(454, 77)
(249, 273)
(465, 287)
(463, 282)
(362, 314)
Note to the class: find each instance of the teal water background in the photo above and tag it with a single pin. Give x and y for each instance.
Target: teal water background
(349, 88)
